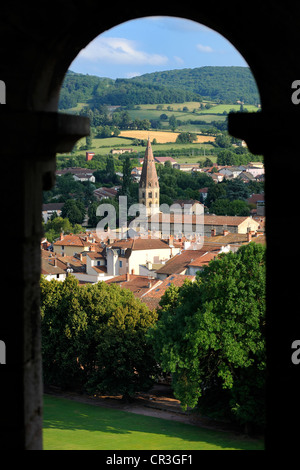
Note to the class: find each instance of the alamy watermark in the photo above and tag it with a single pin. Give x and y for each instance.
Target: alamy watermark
(296, 354)
(2, 352)
(153, 222)
(2, 92)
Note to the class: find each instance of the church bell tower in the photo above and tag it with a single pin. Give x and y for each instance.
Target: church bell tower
(149, 187)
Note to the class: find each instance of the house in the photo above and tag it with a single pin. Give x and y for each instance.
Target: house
(95, 266)
(105, 193)
(246, 177)
(137, 284)
(217, 177)
(207, 224)
(187, 166)
(127, 256)
(179, 264)
(259, 201)
(57, 267)
(79, 174)
(154, 293)
(136, 173)
(163, 160)
(256, 170)
(89, 156)
(230, 171)
(49, 209)
(70, 244)
(50, 268)
(199, 263)
(216, 224)
(122, 150)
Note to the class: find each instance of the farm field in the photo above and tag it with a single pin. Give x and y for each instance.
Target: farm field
(220, 108)
(104, 146)
(161, 136)
(70, 425)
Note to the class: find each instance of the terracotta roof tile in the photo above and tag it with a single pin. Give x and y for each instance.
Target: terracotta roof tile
(180, 262)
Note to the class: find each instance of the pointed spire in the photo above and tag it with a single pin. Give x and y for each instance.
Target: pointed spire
(149, 175)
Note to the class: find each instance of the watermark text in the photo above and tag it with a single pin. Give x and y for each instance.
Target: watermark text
(2, 92)
(2, 352)
(296, 354)
(152, 222)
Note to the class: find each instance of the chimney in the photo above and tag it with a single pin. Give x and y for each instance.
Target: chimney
(249, 236)
(149, 284)
(213, 232)
(127, 277)
(171, 239)
(61, 236)
(225, 232)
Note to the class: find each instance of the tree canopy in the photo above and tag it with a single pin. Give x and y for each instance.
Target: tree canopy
(94, 337)
(227, 84)
(211, 336)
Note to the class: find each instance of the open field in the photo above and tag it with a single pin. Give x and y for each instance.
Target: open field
(70, 425)
(161, 136)
(220, 108)
(104, 146)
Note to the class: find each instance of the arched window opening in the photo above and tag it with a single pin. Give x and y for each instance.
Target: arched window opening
(180, 99)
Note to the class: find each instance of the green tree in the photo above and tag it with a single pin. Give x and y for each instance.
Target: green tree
(211, 336)
(125, 362)
(173, 122)
(186, 138)
(54, 227)
(63, 328)
(126, 182)
(94, 337)
(74, 211)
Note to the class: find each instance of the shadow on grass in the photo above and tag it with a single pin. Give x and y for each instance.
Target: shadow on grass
(117, 428)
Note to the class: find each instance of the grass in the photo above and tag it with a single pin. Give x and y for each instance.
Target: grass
(69, 425)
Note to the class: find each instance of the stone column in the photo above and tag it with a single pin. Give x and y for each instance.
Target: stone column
(28, 147)
(276, 138)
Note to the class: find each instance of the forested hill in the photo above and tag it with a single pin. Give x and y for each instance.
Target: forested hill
(225, 84)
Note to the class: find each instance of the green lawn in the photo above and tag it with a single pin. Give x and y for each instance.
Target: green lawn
(69, 425)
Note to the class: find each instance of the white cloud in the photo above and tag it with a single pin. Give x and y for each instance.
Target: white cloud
(119, 51)
(132, 74)
(203, 48)
(178, 60)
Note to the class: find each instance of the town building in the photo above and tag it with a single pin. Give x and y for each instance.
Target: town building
(52, 208)
(201, 225)
(129, 256)
(79, 174)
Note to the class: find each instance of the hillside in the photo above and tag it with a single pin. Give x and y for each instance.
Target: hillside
(223, 84)
(226, 84)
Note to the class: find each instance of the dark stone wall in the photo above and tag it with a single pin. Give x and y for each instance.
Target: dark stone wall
(38, 41)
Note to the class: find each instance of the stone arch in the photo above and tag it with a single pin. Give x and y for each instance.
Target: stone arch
(33, 79)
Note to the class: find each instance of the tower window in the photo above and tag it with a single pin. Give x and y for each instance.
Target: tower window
(150, 194)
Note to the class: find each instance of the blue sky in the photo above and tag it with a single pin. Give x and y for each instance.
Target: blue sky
(154, 44)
